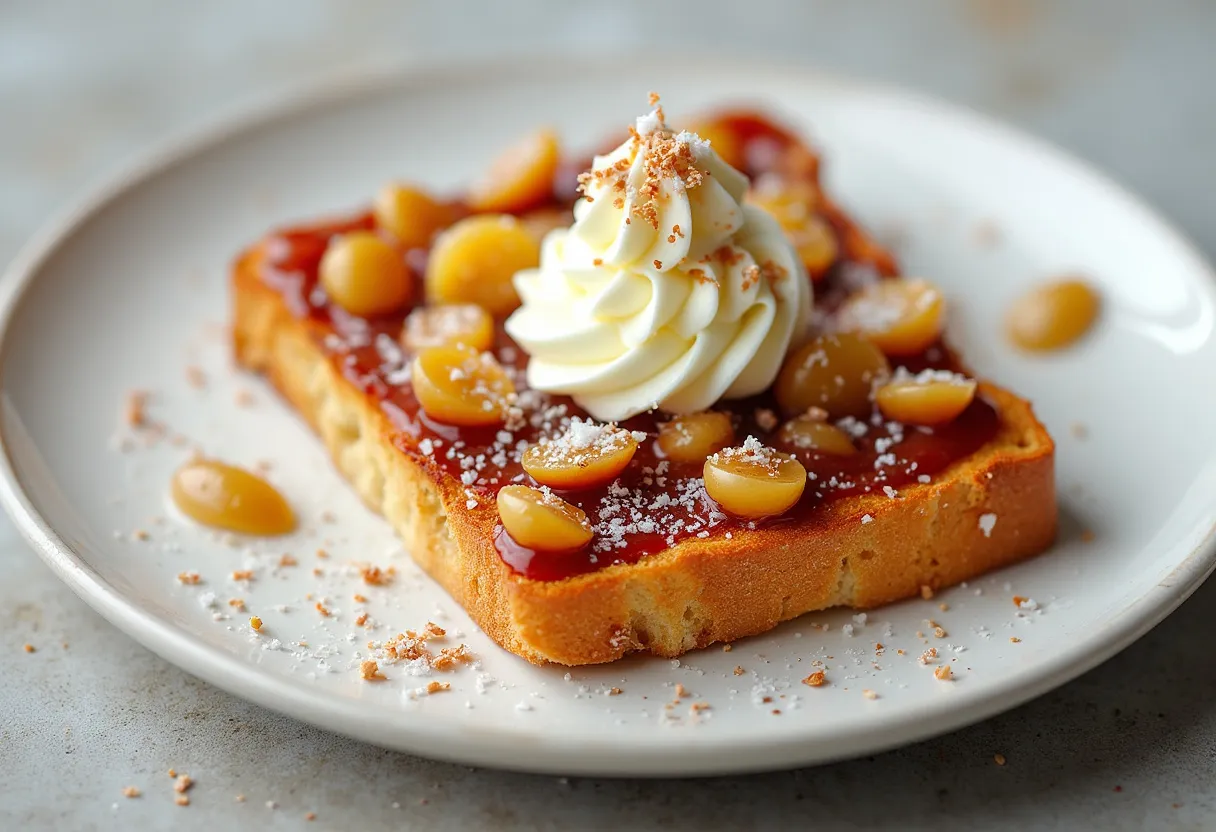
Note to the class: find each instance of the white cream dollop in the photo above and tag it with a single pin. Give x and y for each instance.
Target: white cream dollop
(667, 291)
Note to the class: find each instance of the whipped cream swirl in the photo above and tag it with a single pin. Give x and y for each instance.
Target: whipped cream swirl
(667, 292)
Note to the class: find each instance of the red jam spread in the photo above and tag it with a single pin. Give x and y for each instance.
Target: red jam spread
(656, 503)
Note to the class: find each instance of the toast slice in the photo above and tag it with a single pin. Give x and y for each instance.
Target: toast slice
(993, 506)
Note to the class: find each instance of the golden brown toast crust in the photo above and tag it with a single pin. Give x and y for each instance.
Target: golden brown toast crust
(697, 592)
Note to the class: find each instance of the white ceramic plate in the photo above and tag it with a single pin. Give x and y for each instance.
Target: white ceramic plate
(130, 289)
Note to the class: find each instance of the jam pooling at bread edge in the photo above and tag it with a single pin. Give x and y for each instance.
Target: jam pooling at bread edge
(369, 354)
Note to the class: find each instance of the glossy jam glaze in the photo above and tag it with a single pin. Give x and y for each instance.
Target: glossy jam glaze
(655, 503)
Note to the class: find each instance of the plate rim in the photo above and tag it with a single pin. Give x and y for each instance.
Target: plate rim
(571, 754)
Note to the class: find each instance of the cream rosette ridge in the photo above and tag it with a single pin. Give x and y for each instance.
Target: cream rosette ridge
(667, 291)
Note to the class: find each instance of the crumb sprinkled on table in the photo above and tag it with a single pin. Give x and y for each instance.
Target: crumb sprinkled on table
(195, 377)
(131, 791)
(944, 673)
(999, 759)
(370, 671)
(135, 411)
(29, 648)
(816, 679)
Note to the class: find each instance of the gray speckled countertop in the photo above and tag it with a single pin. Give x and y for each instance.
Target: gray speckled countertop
(1131, 745)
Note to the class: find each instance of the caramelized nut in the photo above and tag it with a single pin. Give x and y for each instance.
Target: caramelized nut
(793, 206)
(694, 437)
(933, 397)
(753, 481)
(790, 204)
(725, 141)
(457, 323)
(1053, 316)
(833, 372)
(411, 215)
(585, 456)
(458, 385)
(810, 433)
(475, 259)
(521, 177)
(540, 520)
(226, 497)
(365, 275)
(901, 317)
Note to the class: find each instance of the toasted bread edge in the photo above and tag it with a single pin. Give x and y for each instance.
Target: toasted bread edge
(699, 591)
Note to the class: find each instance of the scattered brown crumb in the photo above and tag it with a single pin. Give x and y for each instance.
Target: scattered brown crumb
(322, 554)
(242, 575)
(240, 798)
(135, 411)
(869, 694)
(183, 783)
(433, 630)
(1017, 600)
(726, 648)
(256, 624)
(615, 692)
(1088, 536)
(449, 657)
(681, 691)
(131, 791)
(944, 673)
(195, 377)
(928, 655)
(311, 816)
(321, 608)
(599, 261)
(189, 578)
(361, 620)
(999, 759)
(816, 679)
(926, 592)
(375, 576)
(237, 603)
(140, 534)
(370, 671)
(739, 670)
(29, 648)
(658, 264)
(698, 707)
(317, 572)
(943, 606)
(182, 800)
(987, 234)
(287, 559)
(437, 687)
(360, 599)
(878, 648)
(172, 772)
(1014, 640)
(938, 632)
